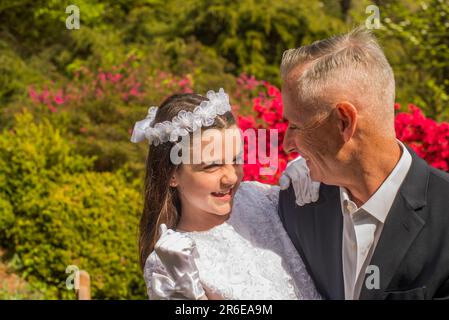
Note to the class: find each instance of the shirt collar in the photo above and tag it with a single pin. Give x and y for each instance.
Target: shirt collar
(381, 201)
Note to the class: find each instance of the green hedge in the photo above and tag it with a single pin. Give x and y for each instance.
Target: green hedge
(55, 212)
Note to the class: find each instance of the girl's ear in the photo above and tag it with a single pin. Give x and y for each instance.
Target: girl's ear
(173, 182)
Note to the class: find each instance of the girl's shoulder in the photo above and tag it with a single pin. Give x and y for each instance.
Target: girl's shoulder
(255, 191)
(256, 203)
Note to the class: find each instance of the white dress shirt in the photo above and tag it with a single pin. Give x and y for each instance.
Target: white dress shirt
(362, 226)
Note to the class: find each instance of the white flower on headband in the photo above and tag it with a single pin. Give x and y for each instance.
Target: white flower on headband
(184, 122)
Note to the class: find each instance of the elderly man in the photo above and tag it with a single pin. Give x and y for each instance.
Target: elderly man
(380, 229)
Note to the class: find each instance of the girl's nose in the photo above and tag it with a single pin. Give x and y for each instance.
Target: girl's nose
(230, 175)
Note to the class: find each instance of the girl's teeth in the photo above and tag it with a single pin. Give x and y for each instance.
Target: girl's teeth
(221, 193)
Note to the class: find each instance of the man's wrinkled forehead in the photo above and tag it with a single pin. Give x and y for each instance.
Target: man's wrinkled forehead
(290, 94)
(291, 79)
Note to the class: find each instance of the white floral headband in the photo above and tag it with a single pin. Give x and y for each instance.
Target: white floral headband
(185, 122)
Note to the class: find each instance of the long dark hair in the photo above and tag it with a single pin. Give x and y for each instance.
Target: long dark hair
(161, 202)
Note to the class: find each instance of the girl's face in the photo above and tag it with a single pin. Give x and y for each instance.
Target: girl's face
(208, 188)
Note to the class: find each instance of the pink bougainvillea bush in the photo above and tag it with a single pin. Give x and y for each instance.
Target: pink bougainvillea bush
(429, 139)
(98, 108)
(267, 107)
(126, 83)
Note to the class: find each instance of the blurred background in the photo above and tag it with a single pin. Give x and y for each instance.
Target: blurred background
(71, 181)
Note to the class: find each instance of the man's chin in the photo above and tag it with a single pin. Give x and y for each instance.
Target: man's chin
(315, 176)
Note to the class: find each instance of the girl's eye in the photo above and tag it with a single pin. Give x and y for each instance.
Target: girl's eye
(211, 166)
(238, 160)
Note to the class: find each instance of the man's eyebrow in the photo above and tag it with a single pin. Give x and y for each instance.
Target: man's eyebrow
(285, 117)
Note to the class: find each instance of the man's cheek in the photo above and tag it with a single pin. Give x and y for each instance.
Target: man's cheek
(307, 143)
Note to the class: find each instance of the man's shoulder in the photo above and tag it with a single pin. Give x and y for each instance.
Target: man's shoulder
(438, 190)
(421, 169)
(439, 176)
(288, 195)
(329, 199)
(436, 200)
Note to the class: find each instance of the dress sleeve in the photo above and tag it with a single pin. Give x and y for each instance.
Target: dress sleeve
(159, 284)
(270, 192)
(261, 192)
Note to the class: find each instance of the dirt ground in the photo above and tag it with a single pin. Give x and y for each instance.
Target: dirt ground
(9, 282)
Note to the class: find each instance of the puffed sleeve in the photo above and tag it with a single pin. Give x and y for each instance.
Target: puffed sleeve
(269, 192)
(159, 284)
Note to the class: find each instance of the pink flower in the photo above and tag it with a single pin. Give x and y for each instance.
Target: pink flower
(246, 122)
(102, 77)
(270, 117)
(134, 92)
(273, 91)
(183, 82)
(33, 94)
(114, 77)
(58, 98)
(52, 108)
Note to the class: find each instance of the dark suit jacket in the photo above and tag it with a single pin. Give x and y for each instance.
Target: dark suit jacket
(413, 250)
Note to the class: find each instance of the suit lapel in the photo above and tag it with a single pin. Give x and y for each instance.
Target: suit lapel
(404, 222)
(329, 222)
(400, 229)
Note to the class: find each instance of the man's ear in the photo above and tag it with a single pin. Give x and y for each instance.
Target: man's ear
(347, 115)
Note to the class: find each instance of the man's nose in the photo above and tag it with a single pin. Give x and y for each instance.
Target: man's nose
(289, 143)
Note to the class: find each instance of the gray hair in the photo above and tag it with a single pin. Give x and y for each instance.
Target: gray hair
(351, 66)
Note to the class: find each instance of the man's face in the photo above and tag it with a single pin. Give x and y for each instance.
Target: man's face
(314, 136)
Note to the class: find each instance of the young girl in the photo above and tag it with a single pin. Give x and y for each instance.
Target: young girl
(203, 233)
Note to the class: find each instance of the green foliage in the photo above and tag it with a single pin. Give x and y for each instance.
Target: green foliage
(6, 213)
(60, 207)
(251, 35)
(14, 74)
(422, 71)
(61, 214)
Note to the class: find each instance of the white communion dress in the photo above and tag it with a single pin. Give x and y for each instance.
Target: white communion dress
(250, 256)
